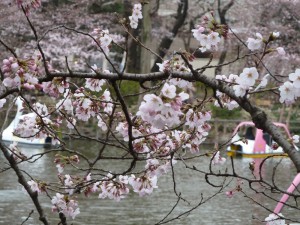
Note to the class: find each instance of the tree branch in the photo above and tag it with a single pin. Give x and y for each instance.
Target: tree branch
(23, 182)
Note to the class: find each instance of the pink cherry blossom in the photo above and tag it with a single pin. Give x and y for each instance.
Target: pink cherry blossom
(217, 159)
(66, 205)
(214, 39)
(113, 189)
(101, 123)
(34, 186)
(164, 66)
(94, 84)
(143, 185)
(55, 87)
(229, 194)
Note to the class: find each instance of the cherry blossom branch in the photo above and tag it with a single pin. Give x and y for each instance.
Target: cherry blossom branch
(36, 38)
(23, 182)
(8, 48)
(31, 212)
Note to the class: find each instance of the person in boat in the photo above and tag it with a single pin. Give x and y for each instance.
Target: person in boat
(250, 133)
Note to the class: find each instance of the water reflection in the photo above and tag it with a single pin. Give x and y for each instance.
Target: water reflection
(15, 205)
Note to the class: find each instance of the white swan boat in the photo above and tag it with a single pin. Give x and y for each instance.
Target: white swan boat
(8, 135)
(248, 141)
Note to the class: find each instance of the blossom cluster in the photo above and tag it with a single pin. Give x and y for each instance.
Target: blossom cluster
(174, 64)
(275, 219)
(136, 15)
(95, 84)
(23, 73)
(209, 33)
(163, 110)
(28, 4)
(36, 124)
(290, 90)
(56, 87)
(34, 186)
(223, 99)
(241, 84)
(245, 81)
(103, 38)
(61, 161)
(80, 105)
(257, 43)
(16, 152)
(66, 205)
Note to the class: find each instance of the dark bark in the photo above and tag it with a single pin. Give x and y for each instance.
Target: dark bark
(167, 41)
(222, 15)
(23, 182)
(134, 49)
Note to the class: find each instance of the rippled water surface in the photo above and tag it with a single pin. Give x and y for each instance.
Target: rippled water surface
(15, 205)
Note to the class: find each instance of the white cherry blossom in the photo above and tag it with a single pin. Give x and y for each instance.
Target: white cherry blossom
(169, 91)
(2, 102)
(255, 44)
(280, 50)
(136, 15)
(248, 76)
(275, 34)
(240, 90)
(295, 77)
(287, 93)
(164, 66)
(232, 78)
(274, 219)
(295, 139)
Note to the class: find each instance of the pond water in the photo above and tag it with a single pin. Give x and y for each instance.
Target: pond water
(15, 205)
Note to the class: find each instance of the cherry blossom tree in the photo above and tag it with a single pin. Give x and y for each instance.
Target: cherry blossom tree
(166, 129)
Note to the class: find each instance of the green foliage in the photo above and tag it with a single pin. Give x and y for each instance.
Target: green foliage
(130, 88)
(106, 7)
(221, 113)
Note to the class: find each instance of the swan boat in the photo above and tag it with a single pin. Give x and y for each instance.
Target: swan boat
(8, 135)
(249, 141)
